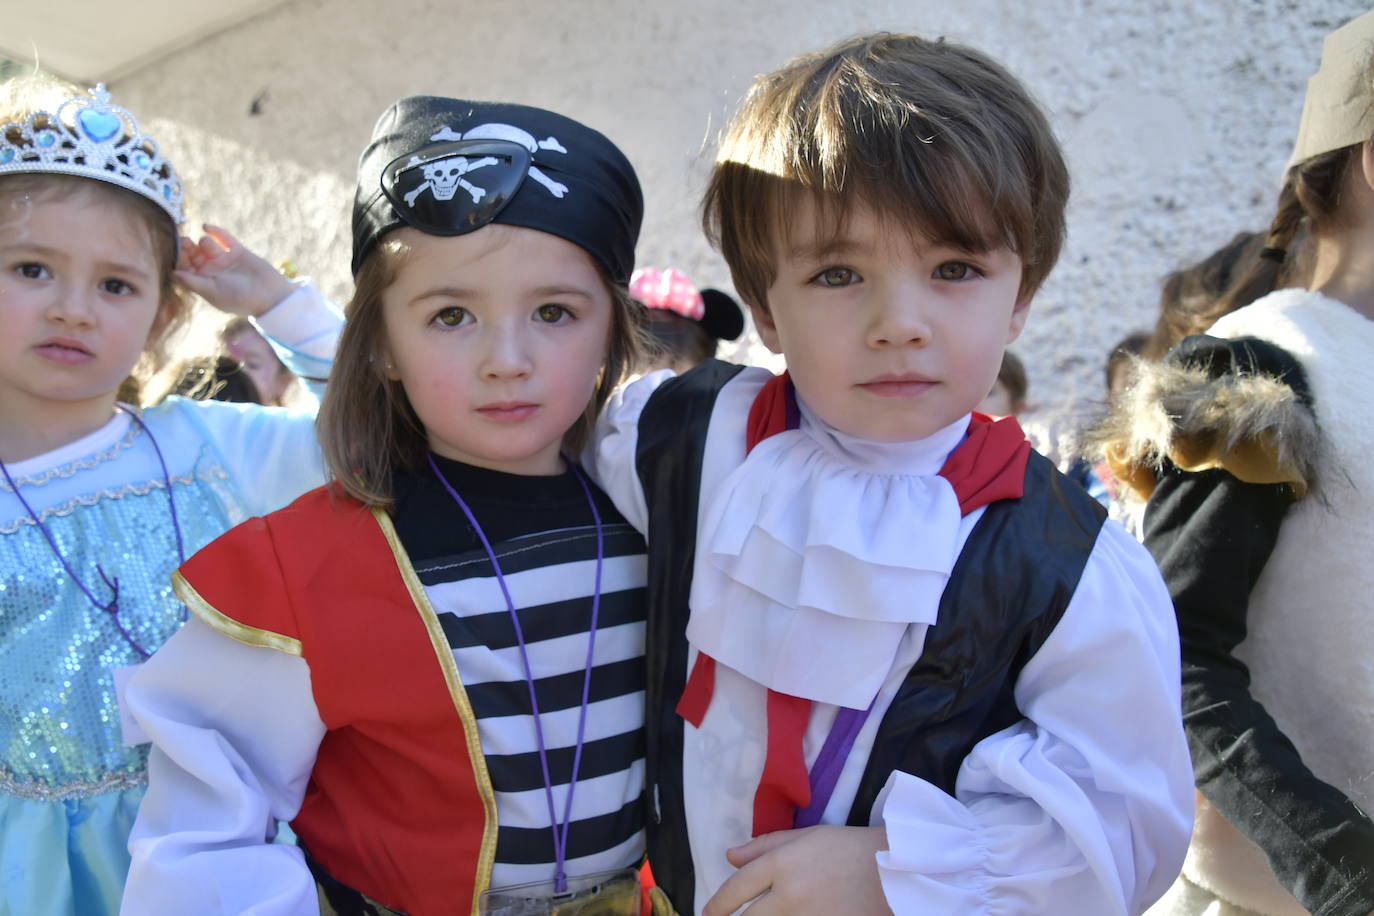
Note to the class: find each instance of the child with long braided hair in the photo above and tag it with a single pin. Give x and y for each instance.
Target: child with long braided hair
(1252, 443)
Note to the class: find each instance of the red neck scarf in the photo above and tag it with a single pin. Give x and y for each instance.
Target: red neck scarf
(989, 465)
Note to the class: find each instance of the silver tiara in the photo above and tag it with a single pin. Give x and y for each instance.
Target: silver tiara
(91, 138)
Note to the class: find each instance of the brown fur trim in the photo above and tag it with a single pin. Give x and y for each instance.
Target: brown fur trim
(1251, 425)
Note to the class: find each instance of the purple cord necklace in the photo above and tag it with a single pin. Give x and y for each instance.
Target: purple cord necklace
(110, 607)
(560, 835)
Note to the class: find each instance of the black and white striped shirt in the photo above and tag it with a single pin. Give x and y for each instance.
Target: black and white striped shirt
(542, 532)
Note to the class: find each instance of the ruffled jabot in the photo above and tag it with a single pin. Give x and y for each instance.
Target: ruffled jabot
(817, 552)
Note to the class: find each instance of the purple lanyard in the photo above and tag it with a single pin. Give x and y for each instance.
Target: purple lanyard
(560, 835)
(111, 607)
(825, 772)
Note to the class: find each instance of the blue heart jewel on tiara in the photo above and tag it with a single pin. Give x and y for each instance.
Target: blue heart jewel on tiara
(90, 137)
(98, 125)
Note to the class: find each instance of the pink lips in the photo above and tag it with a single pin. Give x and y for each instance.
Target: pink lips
(905, 385)
(508, 411)
(64, 350)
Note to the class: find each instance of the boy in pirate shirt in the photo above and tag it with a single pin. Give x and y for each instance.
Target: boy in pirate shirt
(887, 640)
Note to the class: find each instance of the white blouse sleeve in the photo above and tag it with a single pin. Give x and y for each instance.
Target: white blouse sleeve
(304, 331)
(1086, 805)
(610, 459)
(271, 454)
(234, 731)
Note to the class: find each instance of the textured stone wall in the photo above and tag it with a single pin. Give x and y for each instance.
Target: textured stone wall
(1177, 118)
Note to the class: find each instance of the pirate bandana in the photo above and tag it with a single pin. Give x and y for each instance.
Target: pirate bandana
(448, 166)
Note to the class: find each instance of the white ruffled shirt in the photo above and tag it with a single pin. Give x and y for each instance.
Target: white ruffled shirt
(820, 562)
(808, 586)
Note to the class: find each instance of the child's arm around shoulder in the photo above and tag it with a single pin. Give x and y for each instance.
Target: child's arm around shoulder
(610, 457)
(1086, 805)
(235, 729)
(302, 326)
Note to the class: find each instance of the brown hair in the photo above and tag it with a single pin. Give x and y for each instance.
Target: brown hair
(1013, 377)
(1121, 358)
(367, 427)
(1309, 204)
(1189, 300)
(932, 135)
(23, 97)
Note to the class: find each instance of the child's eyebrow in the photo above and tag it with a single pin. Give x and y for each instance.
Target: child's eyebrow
(23, 246)
(120, 267)
(829, 248)
(459, 292)
(451, 292)
(562, 291)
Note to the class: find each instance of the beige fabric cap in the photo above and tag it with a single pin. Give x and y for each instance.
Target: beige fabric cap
(1339, 108)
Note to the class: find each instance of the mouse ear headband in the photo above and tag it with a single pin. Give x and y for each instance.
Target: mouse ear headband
(669, 289)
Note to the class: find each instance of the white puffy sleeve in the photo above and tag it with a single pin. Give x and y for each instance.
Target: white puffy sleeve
(234, 730)
(610, 459)
(1085, 806)
(304, 331)
(271, 454)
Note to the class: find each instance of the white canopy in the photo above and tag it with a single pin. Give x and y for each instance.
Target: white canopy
(88, 41)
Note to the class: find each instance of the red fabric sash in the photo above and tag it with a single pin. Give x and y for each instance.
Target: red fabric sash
(989, 465)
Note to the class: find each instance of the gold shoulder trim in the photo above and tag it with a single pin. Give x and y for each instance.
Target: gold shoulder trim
(229, 626)
(487, 857)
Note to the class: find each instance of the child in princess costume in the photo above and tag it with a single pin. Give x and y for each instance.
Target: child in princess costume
(432, 667)
(102, 495)
(895, 661)
(1251, 442)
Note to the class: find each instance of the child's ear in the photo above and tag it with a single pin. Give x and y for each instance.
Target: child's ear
(767, 328)
(1019, 313)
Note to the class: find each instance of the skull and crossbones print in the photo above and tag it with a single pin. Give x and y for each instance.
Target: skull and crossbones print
(443, 177)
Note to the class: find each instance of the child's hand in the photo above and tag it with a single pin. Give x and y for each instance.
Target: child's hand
(228, 275)
(814, 870)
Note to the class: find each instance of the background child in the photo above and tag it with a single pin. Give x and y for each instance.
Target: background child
(101, 498)
(272, 378)
(1259, 436)
(685, 325)
(1008, 395)
(419, 664)
(903, 624)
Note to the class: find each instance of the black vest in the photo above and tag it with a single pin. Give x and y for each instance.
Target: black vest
(1006, 593)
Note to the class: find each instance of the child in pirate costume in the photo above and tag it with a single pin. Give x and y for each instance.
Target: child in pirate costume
(432, 667)
(1252, 444)
(887, 640)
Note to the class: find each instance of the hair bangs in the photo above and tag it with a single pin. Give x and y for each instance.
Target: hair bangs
(931, 136)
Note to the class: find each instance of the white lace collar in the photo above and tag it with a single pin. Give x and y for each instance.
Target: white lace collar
(816, 554)
(87, 452)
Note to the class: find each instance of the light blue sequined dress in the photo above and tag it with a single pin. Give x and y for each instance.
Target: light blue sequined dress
(69, 788)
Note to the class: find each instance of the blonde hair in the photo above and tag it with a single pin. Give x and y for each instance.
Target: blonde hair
(932, 135)
(367, 427)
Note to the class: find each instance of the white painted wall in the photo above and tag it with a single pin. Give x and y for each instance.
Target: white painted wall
(1177, 118)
